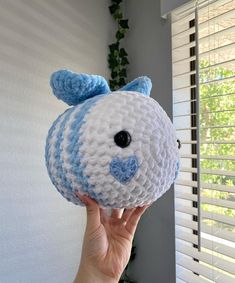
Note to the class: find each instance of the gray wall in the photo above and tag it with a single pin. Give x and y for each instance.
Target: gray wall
(40, 232)
(149, 46)
(169, 5)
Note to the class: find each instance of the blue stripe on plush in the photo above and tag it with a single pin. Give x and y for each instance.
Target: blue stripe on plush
(75, 143)
(47, 154)
(60, 136)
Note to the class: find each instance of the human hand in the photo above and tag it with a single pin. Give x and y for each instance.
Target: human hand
(107, 242)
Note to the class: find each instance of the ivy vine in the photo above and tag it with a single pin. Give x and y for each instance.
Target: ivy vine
(117, 58)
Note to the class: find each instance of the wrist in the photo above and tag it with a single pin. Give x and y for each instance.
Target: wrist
(87, 274)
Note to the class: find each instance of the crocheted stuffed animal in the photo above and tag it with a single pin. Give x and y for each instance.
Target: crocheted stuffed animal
(119, 148)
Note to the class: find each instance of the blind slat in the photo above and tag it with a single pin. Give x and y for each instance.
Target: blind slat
(207, 200)
(191, 277)
(179, 221)
(212, 216)
(203, 106)
(221, 64)
(220, 33)
(186, 209)
(218, 232)
(209, 171)
(206, 258)
(218, 217)
(218, 202)
(226, 15)
(185, 196)
(207, 244)
(204, 214)
(218, 142)
(184, 32)
(204, 270)
(223, 188)
(218, 95)
(184, 74)
(213, 50)
(219, 80)
(184, 46)
(185, 60)
(205, 113)
(212, 157)
(187, 237)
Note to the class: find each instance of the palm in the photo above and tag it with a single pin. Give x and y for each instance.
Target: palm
(108, 239)
(111, 245)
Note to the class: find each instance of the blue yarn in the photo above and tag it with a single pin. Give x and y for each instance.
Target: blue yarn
(60, 173)
(75, 144)
(74, 88)
(47, 156)
(124, 169)
(72, 149)
(59, 161)
(141, 84)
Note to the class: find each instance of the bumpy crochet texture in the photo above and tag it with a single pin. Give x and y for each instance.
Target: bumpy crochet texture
(74, 88)
(82, 156)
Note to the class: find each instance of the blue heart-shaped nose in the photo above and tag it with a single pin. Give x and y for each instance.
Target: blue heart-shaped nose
(124, 169)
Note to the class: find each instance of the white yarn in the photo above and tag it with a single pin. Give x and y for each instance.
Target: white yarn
(153, 146)
(154, 143)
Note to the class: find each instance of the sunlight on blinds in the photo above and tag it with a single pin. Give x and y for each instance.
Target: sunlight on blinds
(203, 54)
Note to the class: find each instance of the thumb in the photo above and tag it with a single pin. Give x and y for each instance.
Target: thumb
(93, 212)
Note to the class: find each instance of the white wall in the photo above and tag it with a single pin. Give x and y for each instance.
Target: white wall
(168, 5)
(40, 232)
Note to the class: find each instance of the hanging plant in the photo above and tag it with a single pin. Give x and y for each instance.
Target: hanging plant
(117, 58)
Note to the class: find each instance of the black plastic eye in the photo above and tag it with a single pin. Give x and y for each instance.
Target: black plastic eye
(179, 144)
(122, 139)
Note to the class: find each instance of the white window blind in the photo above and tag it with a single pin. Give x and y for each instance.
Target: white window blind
(203, 55)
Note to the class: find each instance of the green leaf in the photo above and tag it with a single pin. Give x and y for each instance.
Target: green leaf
(113, 84)
(113, 63)
(122, 52)
(116, 54)
(124, 61)
(114, 75)
(114, 46)
(117, 2)
(116, 69)
(124, 24)
(118, 15)
(123, 73)
(122, 82)
(113, 8)
(117, 58)
(119, 35)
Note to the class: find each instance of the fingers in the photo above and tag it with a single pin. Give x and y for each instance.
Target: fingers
(103, 216)
(127, 213)
(117, 213)
(93, 211)
(134, 218)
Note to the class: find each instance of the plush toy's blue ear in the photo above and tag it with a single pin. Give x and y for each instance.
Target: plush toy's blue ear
(74, 88)
(141, 84)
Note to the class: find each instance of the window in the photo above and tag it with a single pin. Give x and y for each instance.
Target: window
(203, 55)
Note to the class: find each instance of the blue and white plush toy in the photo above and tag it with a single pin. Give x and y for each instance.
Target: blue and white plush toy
(119, 148)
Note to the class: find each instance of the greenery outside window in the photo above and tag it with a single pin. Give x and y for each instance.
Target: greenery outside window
(203, 55)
